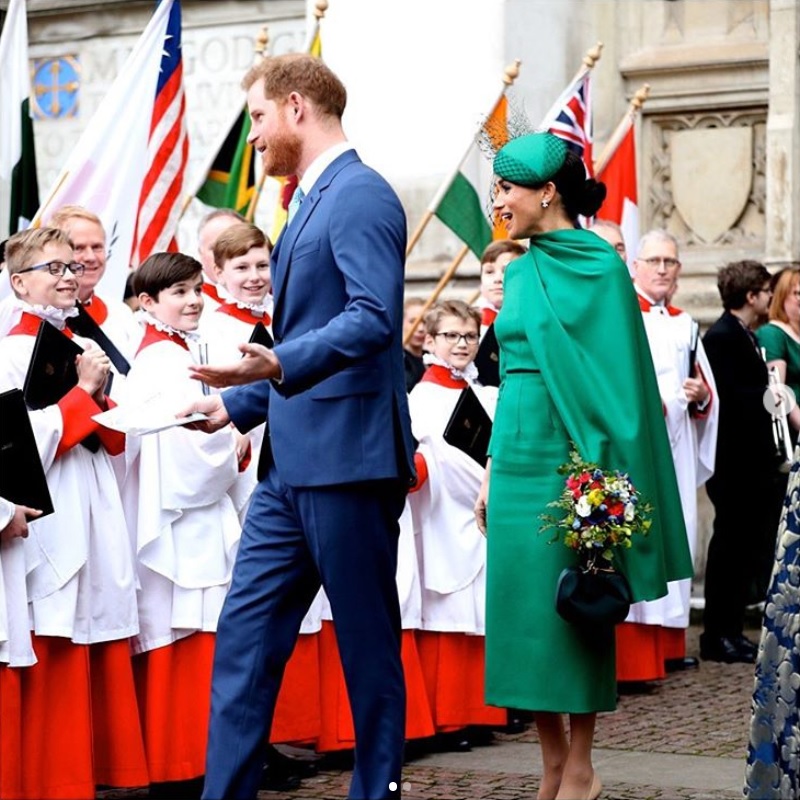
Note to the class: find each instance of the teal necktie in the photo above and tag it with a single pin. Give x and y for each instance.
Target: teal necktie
(294, 204)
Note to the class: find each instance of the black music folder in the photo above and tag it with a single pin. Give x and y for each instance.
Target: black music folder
(52, 371)
(487, 359)
(469, 427)
(261, 335)
(22, 478)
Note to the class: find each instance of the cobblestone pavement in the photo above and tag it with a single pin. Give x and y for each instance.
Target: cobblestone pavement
(702, 712)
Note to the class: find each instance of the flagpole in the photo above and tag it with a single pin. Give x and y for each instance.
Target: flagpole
(622, 128)
(319, 12)
(443, 281)
(37, 217)
(260, 47)
(510, 74)
(591, 57)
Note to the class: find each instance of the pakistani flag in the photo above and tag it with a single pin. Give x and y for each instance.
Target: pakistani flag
(230, 180)
(19, 190)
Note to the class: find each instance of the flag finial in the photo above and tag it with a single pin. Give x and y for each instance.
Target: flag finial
(593, 55)
(511, 72)
(320, 8)
(641, 96)
(262, 41)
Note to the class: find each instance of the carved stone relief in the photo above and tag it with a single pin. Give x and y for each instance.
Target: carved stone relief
(707, 177)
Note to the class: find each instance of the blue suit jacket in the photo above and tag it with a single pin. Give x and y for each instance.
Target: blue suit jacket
(340, 414)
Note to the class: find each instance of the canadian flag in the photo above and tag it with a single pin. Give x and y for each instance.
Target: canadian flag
(621, 203)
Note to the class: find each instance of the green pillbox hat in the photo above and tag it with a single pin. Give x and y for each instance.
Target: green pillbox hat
(531, 159)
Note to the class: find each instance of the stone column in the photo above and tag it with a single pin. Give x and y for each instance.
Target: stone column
(783, 134)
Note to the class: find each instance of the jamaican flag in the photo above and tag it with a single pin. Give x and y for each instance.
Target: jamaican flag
(230, 182)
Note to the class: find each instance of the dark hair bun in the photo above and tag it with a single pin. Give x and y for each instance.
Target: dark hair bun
(591, 198)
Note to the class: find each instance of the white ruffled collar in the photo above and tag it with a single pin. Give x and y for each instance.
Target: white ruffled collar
(468, 374)
(146, 318)
(259, 309)
(55, 316)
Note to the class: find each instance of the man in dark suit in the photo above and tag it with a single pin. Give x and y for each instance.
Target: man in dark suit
(339, 455)
(742, 486)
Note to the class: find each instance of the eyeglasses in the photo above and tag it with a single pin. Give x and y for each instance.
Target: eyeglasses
(57, 268)
(657, 261)
(452, 337)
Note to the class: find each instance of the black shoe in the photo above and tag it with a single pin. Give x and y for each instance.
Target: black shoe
(743, 643)
(680, 664)
(724, 650)
(454, 742)
(281, 764)
(273, 781)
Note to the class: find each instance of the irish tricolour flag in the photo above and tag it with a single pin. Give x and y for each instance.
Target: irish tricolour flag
(19, 192)
(463, 201)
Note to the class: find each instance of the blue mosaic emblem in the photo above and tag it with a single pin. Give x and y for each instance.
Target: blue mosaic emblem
(56, 82)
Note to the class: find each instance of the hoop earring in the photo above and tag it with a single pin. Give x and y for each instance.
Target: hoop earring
(545, 203)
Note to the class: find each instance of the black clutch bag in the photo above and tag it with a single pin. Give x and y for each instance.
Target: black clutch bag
(593, 595)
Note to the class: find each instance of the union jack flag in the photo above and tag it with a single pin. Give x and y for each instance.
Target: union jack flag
(571, 119)
(167, 152)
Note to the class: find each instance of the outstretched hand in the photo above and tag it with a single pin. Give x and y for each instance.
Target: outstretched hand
(258, 363)
(213, 408)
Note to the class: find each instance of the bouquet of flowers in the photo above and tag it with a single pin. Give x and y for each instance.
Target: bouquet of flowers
(602, 510)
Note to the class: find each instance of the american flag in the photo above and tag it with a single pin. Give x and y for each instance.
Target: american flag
(167, 152)
(571, 119)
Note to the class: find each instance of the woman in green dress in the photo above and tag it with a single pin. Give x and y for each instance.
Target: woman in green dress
(575, 368)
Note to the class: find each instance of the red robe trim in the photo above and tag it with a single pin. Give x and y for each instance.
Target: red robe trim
(297, 717)
(488, 316)
(442, 376)
(153, 335)
(96, 309)
(56, 736)
(210, 290)
(453, 666)
(173, 684)
(337, 731)
(640, 652)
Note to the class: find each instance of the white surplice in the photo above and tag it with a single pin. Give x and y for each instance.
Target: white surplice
(223, 333)
(176, 493)
(693, 440)
(80, 575)
(451, 550)
(15, 633)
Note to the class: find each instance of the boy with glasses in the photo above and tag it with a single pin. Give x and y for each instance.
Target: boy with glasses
(451, 549)
(80, 577)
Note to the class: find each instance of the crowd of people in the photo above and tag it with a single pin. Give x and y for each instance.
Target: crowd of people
(312, 561)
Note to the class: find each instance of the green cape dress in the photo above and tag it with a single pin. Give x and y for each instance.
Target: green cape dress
(575, 366)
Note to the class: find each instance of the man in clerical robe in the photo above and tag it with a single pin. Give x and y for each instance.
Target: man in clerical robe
(652, 640)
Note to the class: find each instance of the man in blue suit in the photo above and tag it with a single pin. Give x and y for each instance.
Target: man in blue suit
(339, 455)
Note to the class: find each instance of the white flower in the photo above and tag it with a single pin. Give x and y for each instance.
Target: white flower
(630, 512)
(583, 508)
